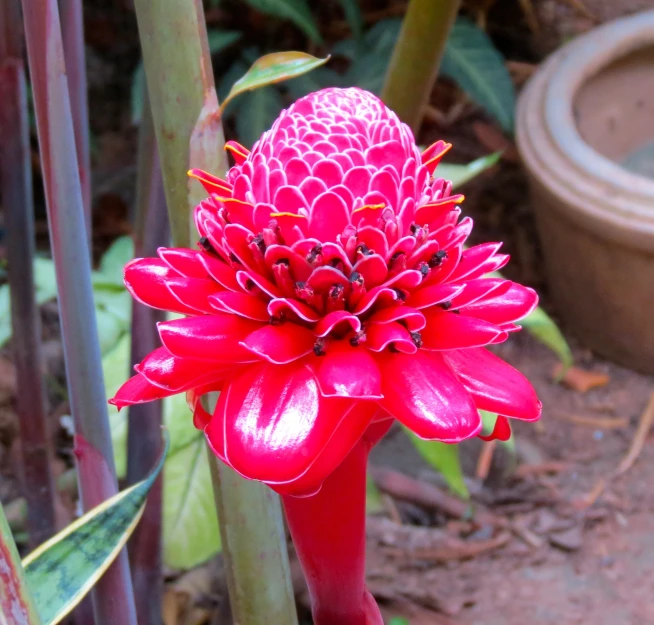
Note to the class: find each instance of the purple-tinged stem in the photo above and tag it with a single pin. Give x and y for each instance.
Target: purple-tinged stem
(113, 596)
(144, 432)
(72, 31)
(329, 534)
(16, 190)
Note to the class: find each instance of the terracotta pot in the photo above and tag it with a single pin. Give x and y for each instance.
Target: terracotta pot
(586, 112)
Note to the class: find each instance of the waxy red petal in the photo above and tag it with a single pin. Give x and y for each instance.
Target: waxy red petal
(501, 430)
(276, 421)
(280, 344)
(213, 338)
(511, 305)
(241, 304)
(348, 371)
(137, 390)
(175, 374)
(448, 330)
(495, 385)
(421, 391)
(146, 279)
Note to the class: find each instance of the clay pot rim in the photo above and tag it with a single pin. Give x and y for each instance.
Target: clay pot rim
(588, 56)
(595, 192)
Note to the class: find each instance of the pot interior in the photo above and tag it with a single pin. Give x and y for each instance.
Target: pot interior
(614, 111)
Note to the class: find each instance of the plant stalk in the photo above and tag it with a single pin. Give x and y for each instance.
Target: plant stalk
(15, 599)
(144, 441)
(113, 596)
(189, 134)
(183, 100)
(72, 30)
(329, 534)
(416, 57)
(16, 190)
(254, 548)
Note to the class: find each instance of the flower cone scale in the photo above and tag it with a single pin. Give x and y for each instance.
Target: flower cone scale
(331, 292)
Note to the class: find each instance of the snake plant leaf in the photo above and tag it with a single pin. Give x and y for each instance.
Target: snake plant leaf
(271, 69)
(460, 174)
(16, 604)
(444, 458)
(62, 570)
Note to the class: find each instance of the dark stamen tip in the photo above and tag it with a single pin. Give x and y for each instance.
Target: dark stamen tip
(437, 258)
(356, 277)
(205, 244)
(319, 348)
(416, 337)
(446, 305)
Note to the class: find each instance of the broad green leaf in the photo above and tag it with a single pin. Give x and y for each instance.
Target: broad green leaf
(16, 602)
(271, 69)
(256, 112)
(353, 16)
(398, 620)
(220, 39)
(114, 260)
(45, 284)
(460, 174)
(368, 69)
(62, 570)
(542, 326)
(296, 11)
(190, 524)
(471, 60)
(444, 458)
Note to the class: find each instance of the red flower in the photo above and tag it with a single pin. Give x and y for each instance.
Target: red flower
(331, 290)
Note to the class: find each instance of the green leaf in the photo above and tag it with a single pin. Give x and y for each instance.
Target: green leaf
(460, 174)
(114, 260)
(353, 16)
(444, 458)
(543, 328)
(257, 111)
(221, 39)
(471, 60)
(297, 11)
(190, 524)
(137, 93)
(45, 284)
(62, 570)
(271, 69)
(398, 620)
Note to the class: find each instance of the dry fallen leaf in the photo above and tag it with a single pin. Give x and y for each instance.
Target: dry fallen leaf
(579, 379)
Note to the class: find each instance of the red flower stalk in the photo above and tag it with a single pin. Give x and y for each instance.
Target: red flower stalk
(331, 293)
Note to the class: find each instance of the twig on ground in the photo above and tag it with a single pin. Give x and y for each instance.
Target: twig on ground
(644, 426)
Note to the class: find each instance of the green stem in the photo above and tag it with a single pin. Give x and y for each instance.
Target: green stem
(182, 95)
(254, 548)
(417, 56)
(16, 605)
(189, 134)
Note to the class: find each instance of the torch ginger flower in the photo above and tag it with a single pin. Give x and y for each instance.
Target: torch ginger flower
(331, 292)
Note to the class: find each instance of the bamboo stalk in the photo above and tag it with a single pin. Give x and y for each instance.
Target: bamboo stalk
(144, 431)
(16, 191)
(113, 596)
(72, 27)
(417, 55)
(15, 599)
(189, 134)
